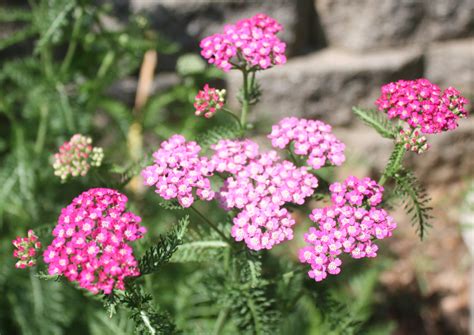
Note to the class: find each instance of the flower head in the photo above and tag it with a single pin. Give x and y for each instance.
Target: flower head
(26, 250)
(252, 40)
(76, 156)
(261, 185)
(350, 225)
(422, 105)
(178, 171)
(91, 239)
(311, 138)
(208, 101)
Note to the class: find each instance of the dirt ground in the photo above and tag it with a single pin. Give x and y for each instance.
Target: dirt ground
(428, 286)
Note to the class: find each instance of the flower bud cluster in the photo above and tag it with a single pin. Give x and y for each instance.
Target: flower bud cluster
(413, 140)
(208, 101)
(26, 250)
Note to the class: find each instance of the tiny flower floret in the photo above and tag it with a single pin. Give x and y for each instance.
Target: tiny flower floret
(350, 225)
(312, 138)
(76, 157)
(178, 171)
(90, 245)
(260, 187)
(252, 41)
(208, 101)
(26, 250)
(422, 105)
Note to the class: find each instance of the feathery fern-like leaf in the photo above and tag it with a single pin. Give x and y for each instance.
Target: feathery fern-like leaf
(161, 252)
(416, 200)
(376, 120)
(199, 251)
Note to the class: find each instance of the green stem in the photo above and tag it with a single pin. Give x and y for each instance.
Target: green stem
(220, 321)
(42, 128)
(212, 225)
(73, 42)
(395, 163)
(245, 99)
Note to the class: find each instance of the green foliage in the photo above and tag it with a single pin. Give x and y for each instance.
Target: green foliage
(416, 200)
(218, 133)
(200, 251)
(161, 252)
(376, 120)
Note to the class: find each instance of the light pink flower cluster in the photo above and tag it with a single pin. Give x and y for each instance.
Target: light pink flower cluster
(311, 138)
(178, 170)
(232, 156)
(252, 40)
(349, 225)
(422, 105)
(262, 184)
(26, 250)
(90, 241)
(76, 157)
(413, 140)
(208, 101)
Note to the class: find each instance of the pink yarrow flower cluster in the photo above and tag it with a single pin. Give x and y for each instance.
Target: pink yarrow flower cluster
(76, 156)
(178, 171)
(422, 105)
(90, 245)
(208, 101)
(350, 225)
(253, 40)
(261, 185)
(312, 138)
(26, 250)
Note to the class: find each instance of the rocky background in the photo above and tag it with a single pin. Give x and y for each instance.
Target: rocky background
(341, 52)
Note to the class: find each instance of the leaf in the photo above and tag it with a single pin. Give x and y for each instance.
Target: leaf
(376, 120)
(161, 252)
(170, 204)
(216, 134)
(199, 251)
(118, 111)
(17, 37)
(14, 14)
(416, 200)
(57, 21)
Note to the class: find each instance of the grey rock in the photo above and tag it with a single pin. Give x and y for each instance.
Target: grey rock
(326, 84)
(371, 24)
(186, 22)
(452, 64)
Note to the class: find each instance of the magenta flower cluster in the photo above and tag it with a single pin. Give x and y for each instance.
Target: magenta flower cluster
(422, 105)
(349, 225)
(261, 185)
(26, 250)
(208, 101)
(178, 171)
(312, 138)
(90, 243)
(253, 40)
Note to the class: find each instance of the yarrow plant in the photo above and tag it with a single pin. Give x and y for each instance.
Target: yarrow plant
(349, 225)
(424, 108)
(252, 41)
(178, 171)
(249, 201)
(208, 101)
(26, 250)
(91, 239)
(310, 138)
(76, 156)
